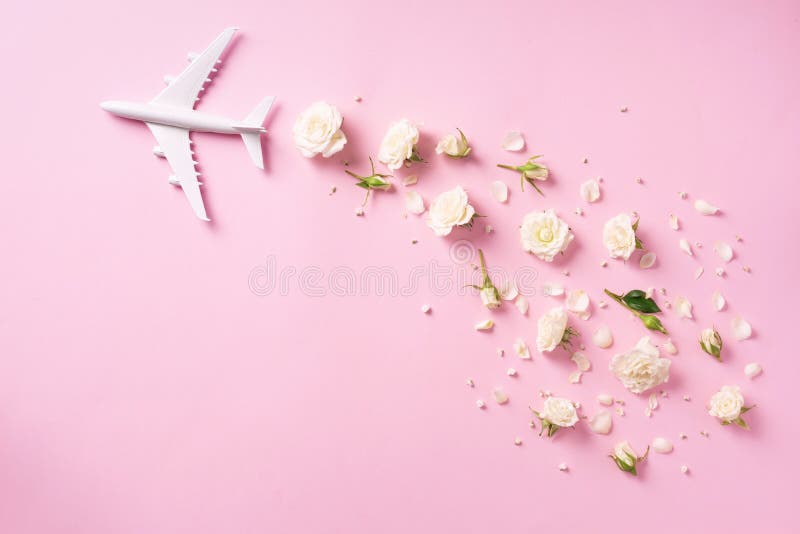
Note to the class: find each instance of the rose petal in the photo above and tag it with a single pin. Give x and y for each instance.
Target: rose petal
(522, 304)
(673, 222)
(499, 191)
(575, 377)
(411, 179)
(662, 446)
(602, 337)
(521, 349)
(718, 301)
(581, 361)
(590, 190)
(500, 396)
(577, 301)
(683, 307)
(553, 289)
(752, 370)
(513, 142)
(652, 401)
(647, 260)
(600, 423)
(686, 247)
(670, 348)
(741, 328)
(605, 399)
(486, 324)
(705, 208)
(414, 202)
(698, 273)
(724, 251)
(508, 290)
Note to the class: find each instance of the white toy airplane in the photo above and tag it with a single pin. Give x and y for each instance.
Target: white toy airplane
(171, 116)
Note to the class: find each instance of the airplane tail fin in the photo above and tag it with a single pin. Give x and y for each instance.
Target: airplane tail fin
(252, 138)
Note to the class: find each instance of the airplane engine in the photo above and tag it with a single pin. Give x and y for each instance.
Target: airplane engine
(174, 180)
(158, 152)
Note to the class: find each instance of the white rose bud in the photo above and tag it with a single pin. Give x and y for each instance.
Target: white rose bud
(544, 235)
(454, 146)
(318, 130)
(711, 343)
(399, 144)
(727, 405)
(619, 236)
(449, 209)
(489, 298)
(557, 413)
(641, 368)
(626, 458)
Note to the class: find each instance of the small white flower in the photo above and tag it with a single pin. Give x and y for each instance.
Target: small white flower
(544, 235)
(399, 144)
(557, 413)
(318, 130)
(590, 190)
(552, 329)
(449, 209)
(454, 146)
(641, 368)
(619, 236)
(727, 405)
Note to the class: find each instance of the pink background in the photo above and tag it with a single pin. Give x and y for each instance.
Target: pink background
(145, 388)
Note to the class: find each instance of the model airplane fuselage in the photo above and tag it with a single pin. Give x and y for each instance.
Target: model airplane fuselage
(171, 116)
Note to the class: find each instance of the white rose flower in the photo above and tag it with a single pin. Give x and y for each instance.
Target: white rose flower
(454, 146)
(641, 368)
(318, 130)
(399, 144)
(619, 236)
(711, 343)
(626, 458)
(552, 330)
(557, 413)
(726, 404)
(449, 209)
(489, 298)
(544, 235)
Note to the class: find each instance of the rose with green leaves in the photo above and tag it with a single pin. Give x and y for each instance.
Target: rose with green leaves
(453, 146)
(642, 306)
(374, 181)
(711, 343)
(626, 458)
(556, 413)
(727, 405)
(531, 171)
(490, 296)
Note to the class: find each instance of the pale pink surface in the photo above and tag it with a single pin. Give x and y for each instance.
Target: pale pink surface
(145, 388)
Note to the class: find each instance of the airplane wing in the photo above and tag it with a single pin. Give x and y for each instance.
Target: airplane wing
(174, 142)
(183, 90)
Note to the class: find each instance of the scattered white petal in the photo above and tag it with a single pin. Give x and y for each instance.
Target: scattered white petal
(705, 208)
(684, 469)
(581, 361)
(578, 211)
(600, 423)
(647, 260)
(517, 441)
(648, 412)
(718, 301)
(605, 399)
(649, 292)
(698, 273)
(411, 179)
(662, 445)
(488, 228)
(511, 371)
(521, 349)
(686, 247)
(414, 203)
(670, 348)
(500, 396)
(578, 303)
(724, 251)
(522, 304)
(719, 271)
(562, 466)
(752, 370)
(602, 337)
(741, 328)
(553, 289)
(673, 222)
(601, 304)
(486, 324)
(590, 190)
(513, 142)
(480, 404)
(425, 308)
(499, 191)
(683, 307)
(652, 401)
(575, 377)
(470, 383)
(508, 290)
(501, 352)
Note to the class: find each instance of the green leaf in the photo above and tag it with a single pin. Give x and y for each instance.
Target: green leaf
(636, 300)
(741, 422)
